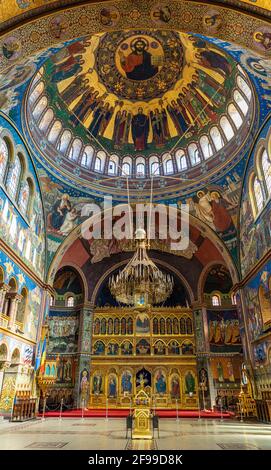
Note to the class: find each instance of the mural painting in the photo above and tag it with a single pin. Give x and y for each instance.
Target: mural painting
(224, 331)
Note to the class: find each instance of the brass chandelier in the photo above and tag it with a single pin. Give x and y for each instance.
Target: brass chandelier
(141, 282)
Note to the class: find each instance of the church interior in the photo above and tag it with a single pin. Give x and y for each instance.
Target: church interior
(106, 108)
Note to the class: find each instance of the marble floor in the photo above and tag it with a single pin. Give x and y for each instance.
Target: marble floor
(98, 434)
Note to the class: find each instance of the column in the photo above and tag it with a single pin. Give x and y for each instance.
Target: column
(82, 381)
(4, 289)
(15, 299)
(203, 352)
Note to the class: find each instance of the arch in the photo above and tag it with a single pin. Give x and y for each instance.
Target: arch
(64, 141)
(154, 166)
(14, 175)
(216, 138)
(193, 153)
(244, 87)
(70, 301)
(240, 102)
(3, 352)
(15, 356)
(126, 168)
(216, 299)
(204, 274)
(75, 150)
(46, 120)
(194, 222)
(54, 132)
(113, 165)
(36, 92)
(181, 159)
(226, 128)
(2, 274)
(206, 147)
(140, 167)
(87, 156)
(22, 306)
(40, 107)
(235, 115)
(101, 157)
(13, 285)
(79, 273)
(4, 157)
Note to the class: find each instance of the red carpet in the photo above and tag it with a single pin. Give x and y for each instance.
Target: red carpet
(122, 413)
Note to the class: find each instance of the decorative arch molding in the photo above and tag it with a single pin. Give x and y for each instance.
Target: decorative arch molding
(87, 16)
(80, 273)
(203, 276)
(205, 230)
(155, 260)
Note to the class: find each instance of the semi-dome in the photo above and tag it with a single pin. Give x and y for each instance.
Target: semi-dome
(139, 104)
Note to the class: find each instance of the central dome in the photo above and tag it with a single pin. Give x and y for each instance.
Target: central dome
(139, 104)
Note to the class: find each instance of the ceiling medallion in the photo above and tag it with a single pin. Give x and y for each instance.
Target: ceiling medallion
(139, 65)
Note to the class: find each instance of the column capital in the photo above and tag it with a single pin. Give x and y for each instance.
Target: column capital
(16, 297)
(4, 287)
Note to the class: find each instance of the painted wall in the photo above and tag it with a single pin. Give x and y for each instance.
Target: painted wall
(24, 235)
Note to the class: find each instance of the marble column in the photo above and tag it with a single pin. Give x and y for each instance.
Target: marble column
(82, 381)
(4, 289)
(15, 299)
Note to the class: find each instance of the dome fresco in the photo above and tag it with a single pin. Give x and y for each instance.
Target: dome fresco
(140, 104)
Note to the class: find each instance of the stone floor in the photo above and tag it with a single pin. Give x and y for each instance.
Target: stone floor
(98, 434)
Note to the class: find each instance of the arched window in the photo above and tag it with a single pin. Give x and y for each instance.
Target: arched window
(193, 152)
(70, 301)
(98, 164)
(206, 147)
(4, 155)
(37, 91)
(126, 169)
(46, 120)
(181, 160)
(75, 150)
(64, 141)
(40, 107)
(235, 116)
(216, 138)
(169, 167)
(216, 300)
(87, 156)
(54, 132)
(244, 87)
(102, 156)
(24, 196)
(226, 128)
(113, 165)
(13, 177)
(259, 199)
(52, 301)
(154, 166)
(266, 166)
(140, 167)
(240, 101)
(233, 299)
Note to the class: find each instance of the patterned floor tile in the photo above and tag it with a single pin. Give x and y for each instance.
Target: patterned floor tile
(141, 444)
(237, 446)
(46, 445)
